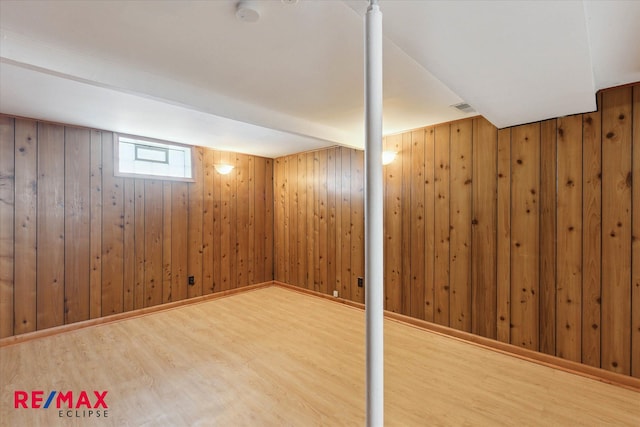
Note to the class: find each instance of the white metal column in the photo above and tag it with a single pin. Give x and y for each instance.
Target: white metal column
(373, 217)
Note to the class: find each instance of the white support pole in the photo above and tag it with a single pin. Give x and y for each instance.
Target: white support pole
(373, 217)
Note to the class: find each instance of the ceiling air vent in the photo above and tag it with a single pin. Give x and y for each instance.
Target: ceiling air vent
(464, 107)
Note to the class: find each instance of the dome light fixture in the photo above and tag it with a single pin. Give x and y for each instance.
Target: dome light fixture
(388, 157)
(247, 12)
(223, 168)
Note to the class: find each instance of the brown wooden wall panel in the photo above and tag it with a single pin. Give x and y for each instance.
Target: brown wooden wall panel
(194, 233)
(321, 232)
(95, 238)
(635, 273)
(25, 223)
(357, 224)
(429, 213)
(460, 225)
(483, 232)
(85, 244)
(616, 229)
(208, 220)
(333, 201)
(393, 285)
(7, 211)
(592, 237)
(112, 232)
(345, 223)
(503, 238)
(441, 232)
(416, 254)
(50, 261)
(77, 151)
(548, 232)
(406, 236)
(525, 223)
(569, 239)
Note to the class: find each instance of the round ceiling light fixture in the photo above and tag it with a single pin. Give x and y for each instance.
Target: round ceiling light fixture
(247, 12)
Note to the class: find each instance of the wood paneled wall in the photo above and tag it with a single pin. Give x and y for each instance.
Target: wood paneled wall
(319, 220)
(529, 235)
(76, 242)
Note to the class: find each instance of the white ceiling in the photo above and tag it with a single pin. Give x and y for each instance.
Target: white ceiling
(191, 72)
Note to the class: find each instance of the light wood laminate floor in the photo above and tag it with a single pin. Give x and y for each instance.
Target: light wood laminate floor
(276, 357)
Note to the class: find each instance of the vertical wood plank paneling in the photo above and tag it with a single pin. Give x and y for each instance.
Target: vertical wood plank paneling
(635, 273)
(77, 152)
(483, 239)
(323, 254)
(301, 236)
(548, 204)
(25, 225)
(112, 231)
(243, 175)
(345, 226)
(129, 255)
(357, 225)
(50, 254)
(196, 201)
(525, 265)
(95, 239)
(139, 244)
(503, 238)
(591, 237)
(417, 225)
(331, 255)
(267, 239)
(316, 221)
(338, 220)
(293, 234)
(569, 239)
(7, 206)
(460, 225)
(166, 241)
(309, 239)
(405, 202)
(251, 225)
(217, 225)
(179, 240)
(153, 242)
(233, 218)
(226, 237)
(616, 230)
(260, 219)
(207, 224)
(429, 214)
(393, 226)
(281, 219)
(441, 217)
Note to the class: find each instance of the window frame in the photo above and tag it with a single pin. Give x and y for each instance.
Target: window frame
(116, 158)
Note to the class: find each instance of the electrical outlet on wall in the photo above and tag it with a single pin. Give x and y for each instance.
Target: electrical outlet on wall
(192, 280)
(335, 293)
(360, 282)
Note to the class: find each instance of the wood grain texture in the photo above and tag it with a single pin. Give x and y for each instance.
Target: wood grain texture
(129, 249)
(525, 223)
(591, 237)
(635, 239)
(429, 212)
(569, 239)
(357, 224)
(50, 259)
(460, 212)
(77, 152)
(616, 229)
(417, 225)
(441, 218)
(503, 238)
(549, 200)
(483, 231)
(212, 349)
(95, 274)
(194, 232)
(139, 243)
(393, 227)
(406, 237)
(7, 212)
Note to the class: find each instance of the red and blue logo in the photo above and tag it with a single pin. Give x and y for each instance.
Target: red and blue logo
(69, 404)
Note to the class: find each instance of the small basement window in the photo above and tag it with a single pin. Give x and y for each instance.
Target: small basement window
(150, 158)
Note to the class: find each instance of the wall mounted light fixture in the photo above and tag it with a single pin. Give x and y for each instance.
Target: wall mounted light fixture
(223, 168)
(388, 156)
